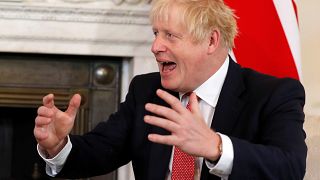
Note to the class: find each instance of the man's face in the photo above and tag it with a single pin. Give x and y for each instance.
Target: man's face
(182, 63)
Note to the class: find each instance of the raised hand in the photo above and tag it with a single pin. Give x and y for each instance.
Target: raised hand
(188, 129)
(53, 125)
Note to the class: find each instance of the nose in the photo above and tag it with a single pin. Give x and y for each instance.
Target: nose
(158, 45)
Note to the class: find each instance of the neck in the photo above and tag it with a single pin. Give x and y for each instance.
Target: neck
(216, 60)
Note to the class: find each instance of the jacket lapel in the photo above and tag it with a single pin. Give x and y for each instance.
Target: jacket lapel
(230, 103)
(160, 154)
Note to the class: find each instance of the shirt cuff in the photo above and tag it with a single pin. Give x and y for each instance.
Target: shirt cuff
(55, 164)
(223, 167)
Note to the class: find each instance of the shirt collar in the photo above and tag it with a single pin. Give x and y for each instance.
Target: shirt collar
(210, 90)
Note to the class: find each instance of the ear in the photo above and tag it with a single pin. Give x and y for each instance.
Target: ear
(214, 41)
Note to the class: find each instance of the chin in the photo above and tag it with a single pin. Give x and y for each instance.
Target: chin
(169, 85)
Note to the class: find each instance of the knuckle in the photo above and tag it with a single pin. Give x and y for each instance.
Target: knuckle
(44, 111)
(176, 102)
(39, 120)
(37, 133)
(40, 109)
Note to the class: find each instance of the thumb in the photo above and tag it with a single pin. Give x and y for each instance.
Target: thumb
(194, 104)
(74, 105)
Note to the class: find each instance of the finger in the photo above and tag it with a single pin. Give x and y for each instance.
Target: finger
(161, 122)
(163, 111)
(162, 139)
(194, 103)
(40, 133)
(42, 121)
(44, 111)
(48, 101)
(74, 105)
(171, 100)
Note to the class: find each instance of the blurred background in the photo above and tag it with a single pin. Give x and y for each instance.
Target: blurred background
(95, 47)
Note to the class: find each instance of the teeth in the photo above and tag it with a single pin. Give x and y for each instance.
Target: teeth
(167, 62)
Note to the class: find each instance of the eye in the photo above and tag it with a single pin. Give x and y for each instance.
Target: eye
(169, 35)
(155, 33)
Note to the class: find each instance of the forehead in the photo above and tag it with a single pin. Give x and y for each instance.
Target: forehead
(172, 25)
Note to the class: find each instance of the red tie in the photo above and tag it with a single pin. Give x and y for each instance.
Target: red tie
(183, 164)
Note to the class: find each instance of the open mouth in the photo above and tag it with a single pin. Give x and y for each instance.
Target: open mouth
(168, 66)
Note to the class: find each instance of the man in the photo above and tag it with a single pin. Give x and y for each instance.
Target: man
(239, 124)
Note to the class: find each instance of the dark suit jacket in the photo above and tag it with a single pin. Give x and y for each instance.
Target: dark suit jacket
(262, 115)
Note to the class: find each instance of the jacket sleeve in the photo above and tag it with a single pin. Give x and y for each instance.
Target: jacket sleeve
(278, 150)
(106, 147)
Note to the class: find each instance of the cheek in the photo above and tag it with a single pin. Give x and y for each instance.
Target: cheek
(191, 62)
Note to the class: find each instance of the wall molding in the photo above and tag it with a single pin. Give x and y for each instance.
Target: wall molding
(108, 27)
(69, 14)
(61, 39)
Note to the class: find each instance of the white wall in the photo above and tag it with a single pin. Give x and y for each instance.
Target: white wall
(308, 12)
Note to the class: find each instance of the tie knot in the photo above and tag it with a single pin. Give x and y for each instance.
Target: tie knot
(187, 94)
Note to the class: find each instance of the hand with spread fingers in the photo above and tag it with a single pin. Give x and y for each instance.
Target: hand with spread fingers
(188, 130)
(53, 125)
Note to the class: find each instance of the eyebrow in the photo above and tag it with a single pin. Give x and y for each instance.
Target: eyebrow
(179, 35)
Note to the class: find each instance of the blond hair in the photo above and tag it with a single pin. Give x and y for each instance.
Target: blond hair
(200, 17)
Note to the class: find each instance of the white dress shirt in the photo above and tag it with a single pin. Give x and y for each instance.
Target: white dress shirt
(208, 93)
